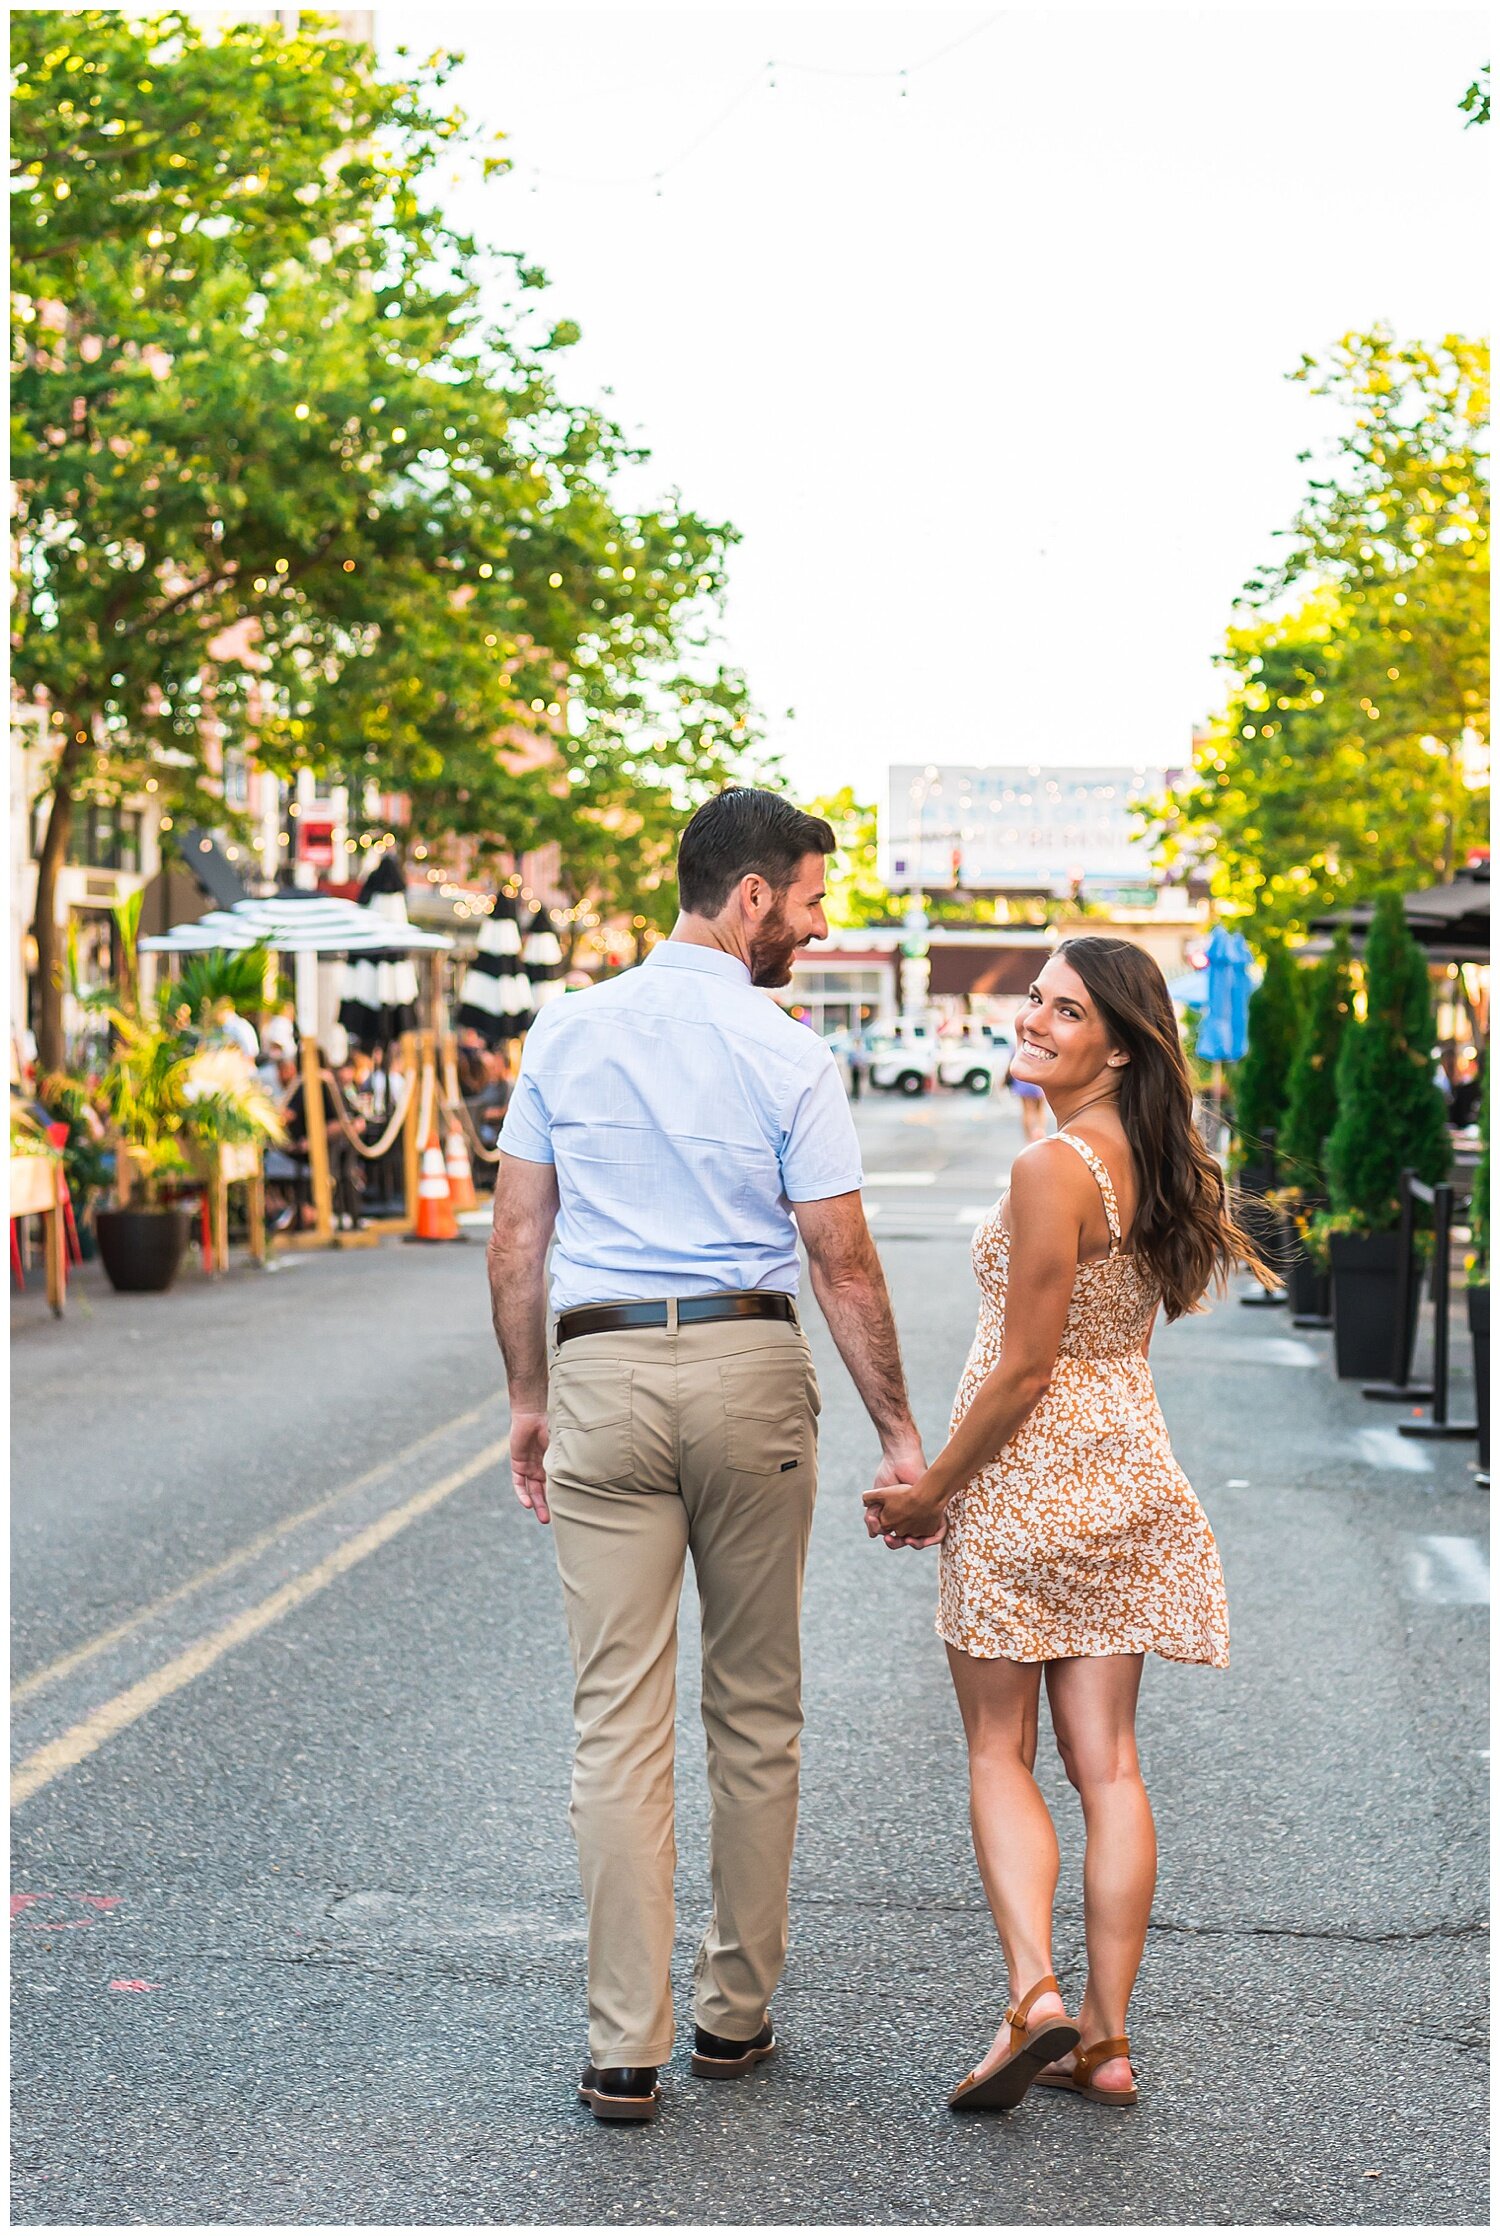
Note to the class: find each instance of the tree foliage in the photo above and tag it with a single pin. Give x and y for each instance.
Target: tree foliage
(1260, 1083)
(284, 483)
(1390, 1112)
(1350, 751)
(856, 894)
(1312, 1083)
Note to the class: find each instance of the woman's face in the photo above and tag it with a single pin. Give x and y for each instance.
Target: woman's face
(1061, 1042)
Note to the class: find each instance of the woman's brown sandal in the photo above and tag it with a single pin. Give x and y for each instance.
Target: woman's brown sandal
(1003, 2087)
(1081, 2080)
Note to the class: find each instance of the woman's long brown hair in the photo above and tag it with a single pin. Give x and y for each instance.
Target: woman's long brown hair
(1183, 1232)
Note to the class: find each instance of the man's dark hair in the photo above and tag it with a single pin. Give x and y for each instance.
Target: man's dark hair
(740, 832)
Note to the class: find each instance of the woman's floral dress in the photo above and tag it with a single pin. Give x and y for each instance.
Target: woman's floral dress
(1084, 1536)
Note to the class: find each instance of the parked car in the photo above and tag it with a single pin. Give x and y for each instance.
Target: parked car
(970, 1065)
(976, 1062)
(903, 1066)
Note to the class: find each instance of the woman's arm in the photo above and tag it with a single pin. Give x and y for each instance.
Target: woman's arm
(1049, 1203)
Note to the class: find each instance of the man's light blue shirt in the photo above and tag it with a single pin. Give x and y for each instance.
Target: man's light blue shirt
(685, 1113)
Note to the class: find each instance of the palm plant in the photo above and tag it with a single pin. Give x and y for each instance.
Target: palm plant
(170, 1084)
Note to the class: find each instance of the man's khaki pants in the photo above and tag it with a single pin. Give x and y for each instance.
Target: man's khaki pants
(666, 1441)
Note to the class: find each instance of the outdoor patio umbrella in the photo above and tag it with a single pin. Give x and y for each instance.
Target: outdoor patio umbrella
(1451, 921)
(1191, 989)
(542, 954)
(292, 924)
(1224, 1032)
(379, 996)
(495, 998)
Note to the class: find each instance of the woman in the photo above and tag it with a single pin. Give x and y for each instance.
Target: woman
(1030, 1097)
(1072, 1543)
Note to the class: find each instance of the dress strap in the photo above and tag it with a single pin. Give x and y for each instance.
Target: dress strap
(1100, 1171)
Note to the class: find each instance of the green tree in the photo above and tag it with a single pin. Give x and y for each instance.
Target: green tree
(1260, 1084)
(1476, 100)
(1390, 1113)
(856, 893)
(281, 483)
(1312, 1084)
(1349, 753)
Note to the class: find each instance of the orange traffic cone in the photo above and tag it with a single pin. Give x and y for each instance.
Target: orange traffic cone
(461, 1193)
(435, 1220)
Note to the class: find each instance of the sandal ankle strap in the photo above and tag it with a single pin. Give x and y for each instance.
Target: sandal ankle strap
(1098, 2053)
(1015, 2017)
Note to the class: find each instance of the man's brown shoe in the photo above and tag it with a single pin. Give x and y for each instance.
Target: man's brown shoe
(718, 2059)
(620, 2092)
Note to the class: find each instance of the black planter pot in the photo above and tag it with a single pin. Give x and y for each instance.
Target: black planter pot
(1310, 1289)
(1366, 1276)
(142, 1250)
(1479, 1329)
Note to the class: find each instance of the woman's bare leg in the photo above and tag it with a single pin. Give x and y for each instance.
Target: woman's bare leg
(1014, 1840)
(1093, 1703)
(1033, 1117)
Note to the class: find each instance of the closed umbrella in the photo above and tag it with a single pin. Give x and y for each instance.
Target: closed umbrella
(495, 997)
(1224, 1031)
(379, 998)
(542, 955)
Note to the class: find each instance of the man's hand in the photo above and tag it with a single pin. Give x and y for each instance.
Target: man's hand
(528, 1451)
(901, 1465)
(905, 1515)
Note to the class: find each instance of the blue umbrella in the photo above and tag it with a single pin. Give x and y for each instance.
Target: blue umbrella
(1191, 989)
(1224, 1033)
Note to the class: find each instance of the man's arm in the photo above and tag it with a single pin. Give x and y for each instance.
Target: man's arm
(850, 1286)
(525, 1213)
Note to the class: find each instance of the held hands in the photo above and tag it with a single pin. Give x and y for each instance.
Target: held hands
(897, 1509)
(528, 1451)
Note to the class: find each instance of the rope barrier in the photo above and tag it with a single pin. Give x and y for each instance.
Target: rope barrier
(342, 1115)
(466, 1120)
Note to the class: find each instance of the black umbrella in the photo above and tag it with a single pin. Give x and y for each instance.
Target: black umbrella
(495, 997)
(379, 1001)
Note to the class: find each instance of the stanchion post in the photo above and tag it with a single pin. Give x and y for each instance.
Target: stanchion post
(1440, 1428)
(1399, 1390)
(317, 1139)
(411, 1148)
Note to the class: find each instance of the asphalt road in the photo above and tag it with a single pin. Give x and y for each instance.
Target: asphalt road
(296, 1927)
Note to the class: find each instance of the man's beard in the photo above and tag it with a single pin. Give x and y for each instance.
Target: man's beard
(772, 949)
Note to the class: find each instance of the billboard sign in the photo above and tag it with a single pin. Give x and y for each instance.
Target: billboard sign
(1016, 828)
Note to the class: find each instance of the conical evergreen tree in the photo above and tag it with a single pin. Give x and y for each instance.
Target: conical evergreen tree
(1390, 1115)
(1312, 1096)
(1260, 1085)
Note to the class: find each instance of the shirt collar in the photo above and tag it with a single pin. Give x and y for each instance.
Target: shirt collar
(681, 954)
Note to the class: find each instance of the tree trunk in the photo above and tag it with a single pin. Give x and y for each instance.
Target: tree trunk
(50, 936)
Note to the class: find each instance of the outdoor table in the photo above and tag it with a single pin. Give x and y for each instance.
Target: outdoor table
(219, 1169)
(36, 1190)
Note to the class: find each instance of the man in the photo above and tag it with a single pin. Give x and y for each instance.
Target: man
(679, 1130)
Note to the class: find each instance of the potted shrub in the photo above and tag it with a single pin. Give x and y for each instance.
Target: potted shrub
(170, 1085)
(1479, 1277)
(1390, 1117)
(1260, 1090)
(1311, 1110)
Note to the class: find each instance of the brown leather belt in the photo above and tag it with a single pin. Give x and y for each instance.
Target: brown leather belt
(740, 1304)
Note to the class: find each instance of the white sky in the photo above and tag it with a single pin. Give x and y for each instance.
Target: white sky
(990, 376)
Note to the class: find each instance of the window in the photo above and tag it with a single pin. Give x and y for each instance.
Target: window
(100, 837)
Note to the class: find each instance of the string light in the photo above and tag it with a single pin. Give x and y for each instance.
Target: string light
(765, 79)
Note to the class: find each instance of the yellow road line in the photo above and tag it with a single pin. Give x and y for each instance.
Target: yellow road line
(78, 1655)
(127, 1708)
